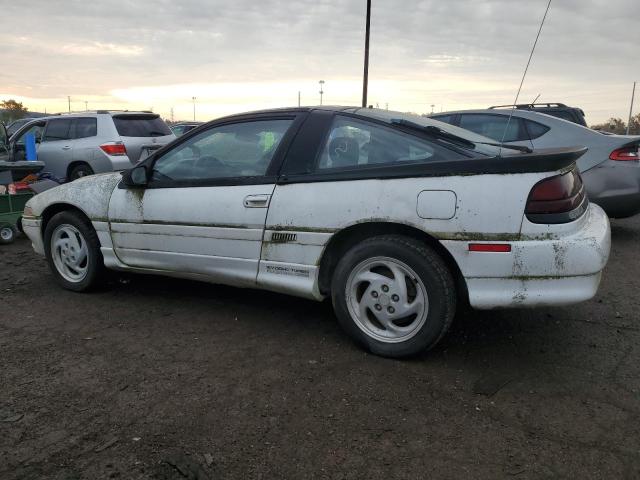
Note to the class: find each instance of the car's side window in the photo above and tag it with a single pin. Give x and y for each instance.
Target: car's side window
(444, 118)
(35, 129)
(354, 143)
(57, 130)
(493, 126)
(233, 150)
(84, 127)
(535, 129)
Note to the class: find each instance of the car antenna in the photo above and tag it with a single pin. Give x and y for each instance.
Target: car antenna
(506, 128)
(535, 100)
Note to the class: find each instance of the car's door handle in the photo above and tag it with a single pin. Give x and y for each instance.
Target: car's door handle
(257, 201)
(66, 147)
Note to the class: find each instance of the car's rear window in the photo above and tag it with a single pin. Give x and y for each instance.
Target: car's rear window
(141, 126)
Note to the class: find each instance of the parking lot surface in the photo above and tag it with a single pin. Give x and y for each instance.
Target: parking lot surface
(162, 378)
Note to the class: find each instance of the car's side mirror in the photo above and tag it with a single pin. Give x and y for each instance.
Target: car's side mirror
(136, 176)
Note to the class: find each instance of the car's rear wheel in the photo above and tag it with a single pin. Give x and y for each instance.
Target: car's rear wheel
(73, 252)
(7, 234)
(394, 295)
(80, 171)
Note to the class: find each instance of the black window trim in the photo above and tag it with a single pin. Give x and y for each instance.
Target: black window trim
(396, 170)
(271, 175)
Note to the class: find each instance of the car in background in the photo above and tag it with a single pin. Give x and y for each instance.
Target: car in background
(14, 126)
(558, 110)
(610, 168)
(395, 217)
(79, 144)
(181, 128)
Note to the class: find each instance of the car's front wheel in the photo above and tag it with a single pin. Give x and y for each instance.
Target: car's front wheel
(73, 252)
(394, 295)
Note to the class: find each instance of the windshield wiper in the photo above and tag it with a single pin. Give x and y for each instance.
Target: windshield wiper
(433, 131)
(439, 133)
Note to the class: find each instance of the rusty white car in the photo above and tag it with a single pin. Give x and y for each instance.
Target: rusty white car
(395, 217)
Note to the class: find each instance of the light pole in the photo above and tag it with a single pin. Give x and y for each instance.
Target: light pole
(633, 94)
(321, 82)
(365, 78)
(194, 108)
(69, 102)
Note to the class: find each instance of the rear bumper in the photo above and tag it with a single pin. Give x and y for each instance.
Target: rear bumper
(538, 271)
(490, 293)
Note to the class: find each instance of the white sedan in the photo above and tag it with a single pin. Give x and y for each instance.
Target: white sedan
(397, 218)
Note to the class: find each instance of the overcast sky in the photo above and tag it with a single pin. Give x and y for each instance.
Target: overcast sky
(237, 55)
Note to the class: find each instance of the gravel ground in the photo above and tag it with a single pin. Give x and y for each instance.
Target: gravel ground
(163, 378)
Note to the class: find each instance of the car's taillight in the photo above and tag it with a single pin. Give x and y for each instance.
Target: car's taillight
(625, 154)
(558, 199)
(114, 148)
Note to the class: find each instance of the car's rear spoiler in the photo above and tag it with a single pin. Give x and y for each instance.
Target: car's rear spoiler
(544, 160)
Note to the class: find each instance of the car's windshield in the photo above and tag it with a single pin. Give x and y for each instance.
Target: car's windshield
(143, 125)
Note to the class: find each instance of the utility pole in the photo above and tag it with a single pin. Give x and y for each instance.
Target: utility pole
(86, 106)
(365, 78)
(298, 97)
(321, 82)
(633, 94)
(194, 108)
(432, 106)
(171, 114)
(69, 102)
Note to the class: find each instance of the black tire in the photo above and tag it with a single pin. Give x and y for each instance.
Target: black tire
(7, 234)
(80, 171)
(430, 269)
(95, 270)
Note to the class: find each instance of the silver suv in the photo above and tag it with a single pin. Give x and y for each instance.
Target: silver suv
(78, 144)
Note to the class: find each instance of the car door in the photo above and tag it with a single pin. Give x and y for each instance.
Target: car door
(205, 205)
(56, 147)
(497, 127)
(17, 146)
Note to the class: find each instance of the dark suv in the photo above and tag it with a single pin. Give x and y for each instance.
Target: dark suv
(560, 110)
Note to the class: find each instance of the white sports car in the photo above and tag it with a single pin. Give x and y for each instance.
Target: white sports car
(397, 218)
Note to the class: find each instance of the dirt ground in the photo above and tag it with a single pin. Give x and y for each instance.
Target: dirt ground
(171, 379)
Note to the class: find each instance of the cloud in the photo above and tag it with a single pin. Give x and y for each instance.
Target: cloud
(102, 49)
(458, 53)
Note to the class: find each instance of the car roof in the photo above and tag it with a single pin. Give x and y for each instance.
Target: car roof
(93, 113)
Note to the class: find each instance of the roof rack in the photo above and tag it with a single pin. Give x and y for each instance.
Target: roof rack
(98, 112)
(532, 105)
